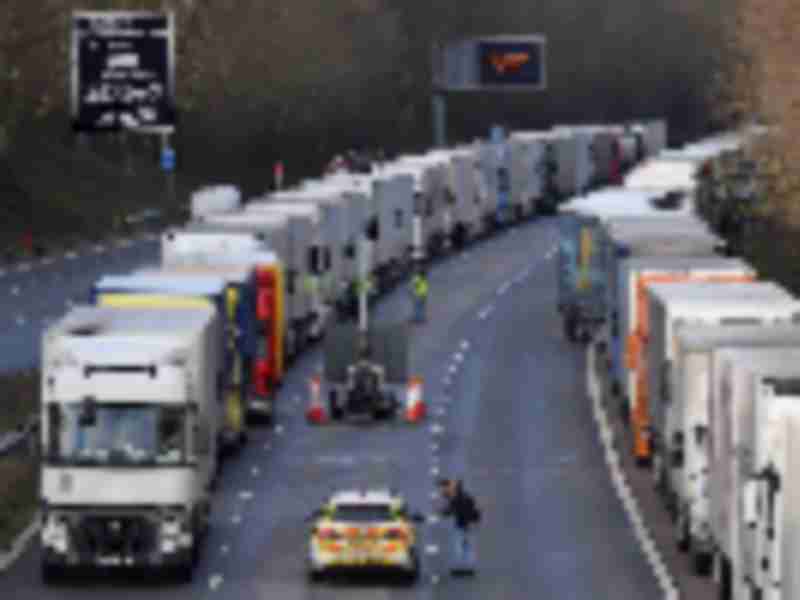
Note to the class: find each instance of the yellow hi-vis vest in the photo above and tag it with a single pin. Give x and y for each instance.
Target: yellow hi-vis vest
(420, 286)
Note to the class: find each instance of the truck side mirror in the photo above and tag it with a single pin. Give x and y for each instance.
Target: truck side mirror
(750, 501)
(88, 416)
(314, 260)
(327, 259)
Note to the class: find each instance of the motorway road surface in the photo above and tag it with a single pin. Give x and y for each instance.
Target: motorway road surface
(39, 292)
(516, 426)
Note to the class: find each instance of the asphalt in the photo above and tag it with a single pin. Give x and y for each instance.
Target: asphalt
(514, 423)
(34, 294)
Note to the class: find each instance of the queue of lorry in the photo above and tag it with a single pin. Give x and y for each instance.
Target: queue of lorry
(158, 379)
(700, 356)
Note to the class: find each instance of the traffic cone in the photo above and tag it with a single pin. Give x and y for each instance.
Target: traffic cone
(415, 407)
(316, 413)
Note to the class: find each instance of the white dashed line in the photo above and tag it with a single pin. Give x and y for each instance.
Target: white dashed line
(279, 429)
(46, 261)
(435, 471)
(236, 519)
(99, 249)
(434, 447)
(437, 429)
(23, 267)
(435, 579)
(431, 549)
(453, 369)
(255, 471)
(124, 243)
(71, 255)
(459, 357)
(245, 495)
(483, 315)
(267, 446)
(21, 320)
(15, 290)
(464, 345)
(224, 549)
(214, 582)
(503, 288)
(433, 519)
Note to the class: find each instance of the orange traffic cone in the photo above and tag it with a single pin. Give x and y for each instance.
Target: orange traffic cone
(316, 413)
(415, 407)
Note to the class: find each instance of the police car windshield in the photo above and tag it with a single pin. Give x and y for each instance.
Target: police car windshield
(363, 513)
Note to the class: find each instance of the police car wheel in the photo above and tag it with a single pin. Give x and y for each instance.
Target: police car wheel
(315, 576)
(50, 573)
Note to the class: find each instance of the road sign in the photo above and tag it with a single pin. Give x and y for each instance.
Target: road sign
(123, 71)
(496, 63)
(167, 159)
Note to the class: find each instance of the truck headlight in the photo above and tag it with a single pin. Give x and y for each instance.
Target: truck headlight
(170, 529)
(168, 545)
(55, 534)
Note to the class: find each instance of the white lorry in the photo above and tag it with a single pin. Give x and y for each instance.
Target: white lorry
(768, 524)
(690, 389)
(130, 418)
(676, 306)
(733, 407)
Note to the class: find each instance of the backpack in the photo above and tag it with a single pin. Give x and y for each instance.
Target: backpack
(474, 511)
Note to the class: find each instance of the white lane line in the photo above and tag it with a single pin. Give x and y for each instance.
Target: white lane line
(224, 549)
(2, 273)
(433, 519)
(124, 243)
(246, 495)
(267, 446)
(23, 267)
(484, 314)
(435, 471)
(431, 549)
(437, 429)
(503, 288)
(15, 290)
(214, 582)
(434, 447)
(453, 369)
(459, 357)
(435, 579)
(46, 261)
(21, 320)
(236, 519)
(255, 471)
(71, 255)
(279, 429)
(99, 249)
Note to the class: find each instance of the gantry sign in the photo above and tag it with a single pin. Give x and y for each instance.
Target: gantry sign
(123, 71)
(496, 63)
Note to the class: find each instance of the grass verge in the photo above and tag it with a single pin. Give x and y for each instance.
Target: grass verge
(19, 470)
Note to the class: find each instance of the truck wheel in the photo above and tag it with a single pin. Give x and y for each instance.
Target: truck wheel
(315, 576)
(682, 529)
(570, 327)
(701, 565)
(184, 573)
(333, 407)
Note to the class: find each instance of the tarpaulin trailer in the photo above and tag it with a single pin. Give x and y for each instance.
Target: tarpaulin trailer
(673, 306)
(575, 164)
(305, 256)
(165, 291)
(334, 213)
(255, 232)
(528, 173)
(240, 304)
(636, 238)
(732, 413)
(550, 195)
(769, 536)
(270, 301)
(463, 186)
(690, 388)
(636, 275)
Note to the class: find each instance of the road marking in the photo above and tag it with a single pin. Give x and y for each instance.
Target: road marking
(431, 549)
(267, 446)
(297, 399)
(20, 320)
(279, 429)
(214, 582)
(245, 495)
(46, 261)
(434, 495)
(224, 549)
(459, 357)
(99, 249)
(435, 579)
(71, 255)
(124, 243)
(15, 290)
(255, 471)
(437, 429)
(441, 411)
(236, 519)
(435, 447)
(23, 267)
(486, 312)
(503, 288)
(435, 471)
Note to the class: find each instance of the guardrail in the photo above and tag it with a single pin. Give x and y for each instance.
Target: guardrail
(23, 441)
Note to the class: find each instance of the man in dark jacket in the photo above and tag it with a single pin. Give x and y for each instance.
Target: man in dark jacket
(462, 507)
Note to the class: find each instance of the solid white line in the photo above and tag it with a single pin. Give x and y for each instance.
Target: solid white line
(20, 543)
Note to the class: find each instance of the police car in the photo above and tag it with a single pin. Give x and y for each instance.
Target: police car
(364, 530)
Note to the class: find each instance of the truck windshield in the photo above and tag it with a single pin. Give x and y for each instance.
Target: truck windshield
(123, 434)
(363, 513)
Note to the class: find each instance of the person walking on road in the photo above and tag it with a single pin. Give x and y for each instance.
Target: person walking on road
(464, 510)
(419, 289)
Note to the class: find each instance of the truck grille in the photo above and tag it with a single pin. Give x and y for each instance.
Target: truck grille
(113, 535)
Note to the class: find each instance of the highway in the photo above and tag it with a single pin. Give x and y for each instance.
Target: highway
(35, 293)
(515, 424)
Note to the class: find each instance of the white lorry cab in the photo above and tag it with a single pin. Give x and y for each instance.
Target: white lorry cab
(130, 417)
